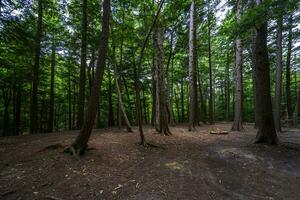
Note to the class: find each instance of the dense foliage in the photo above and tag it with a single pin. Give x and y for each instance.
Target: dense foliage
(129, 23)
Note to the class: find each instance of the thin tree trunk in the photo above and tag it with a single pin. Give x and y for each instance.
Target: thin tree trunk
(156, 75)
(122, 106)
(6, 93)
(137, 77)
(238, 107)
(169, 89)
(288, 69)
(120, 101)
(69, 99)
(82, 76)
(51, 106)
(91, 72)
(36, 67)
(182, 99)
(227, 88)
(170, 101)
(266, 130)
(203, 112)
(177, 106)
(80, 144)
(110, 103)
(211, 111)
(192, 102)
(297, 108)
(74, 105)
(277, 107)
(145, 108)
(153, 118)
(17, 110)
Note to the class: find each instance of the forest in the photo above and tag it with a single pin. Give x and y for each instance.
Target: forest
(149, 99)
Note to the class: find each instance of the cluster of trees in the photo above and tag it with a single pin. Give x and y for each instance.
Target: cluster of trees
(148, 62)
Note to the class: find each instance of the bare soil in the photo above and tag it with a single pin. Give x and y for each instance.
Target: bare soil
(187, 165)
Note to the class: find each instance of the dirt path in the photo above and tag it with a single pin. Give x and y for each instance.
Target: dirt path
(194, 165)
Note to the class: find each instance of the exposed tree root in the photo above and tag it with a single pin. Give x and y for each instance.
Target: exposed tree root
(53, 198)
(52, 147)
(263, 140)
(74, 151)
(150, 145)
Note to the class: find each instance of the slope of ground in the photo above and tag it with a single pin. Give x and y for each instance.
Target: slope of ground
(188, 165)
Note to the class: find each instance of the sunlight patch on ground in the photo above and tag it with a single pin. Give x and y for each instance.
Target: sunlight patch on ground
(234, 152)
(174, 165)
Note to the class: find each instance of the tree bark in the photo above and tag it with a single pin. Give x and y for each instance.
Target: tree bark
(238, 107)
(129, 129)
(35, 70)
(80, 144)
(51, 103)
(182, 100)
(192, 90)
(288, 69)
(227, 88)
(6, 95)
(17, 109)
(277, 107)
(69, 99)
(82, 76)
(161, 85)
(153, 117)
(110, 103)
(137, 77)
(266, 130)
(211, 104)
(297, 108)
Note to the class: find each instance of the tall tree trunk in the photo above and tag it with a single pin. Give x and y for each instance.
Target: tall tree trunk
(91, 72)
(192, 107)
(170, 87)
(277, 107)
(156, 75)
(75, 95)
(110, 103)
(238, 107)
(177, 106)
(145, 108)
(17, 110)
(203, 112)
(254, 85)
(80, 144)
(69, 99)
(297, 108)
(182, 99)
(137, 77)
(266, 130)
(288, 69)
(161, 85)
(82, 76)
(211, 111)
(227, 88)
(35, 70)
(254, 82)
(128, 97)
(6, 94)
(121, 109)
(122, 106)
(51, 106)
(153, 117)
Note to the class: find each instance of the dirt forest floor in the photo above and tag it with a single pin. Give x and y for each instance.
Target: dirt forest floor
(188, 165)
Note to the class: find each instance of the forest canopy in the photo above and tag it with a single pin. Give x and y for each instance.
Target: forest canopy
(166, 62)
